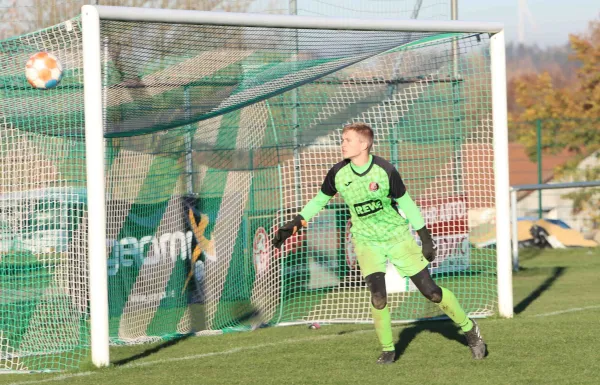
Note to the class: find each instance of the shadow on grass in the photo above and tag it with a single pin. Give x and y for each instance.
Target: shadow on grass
(556, 273)
(446, 329)
(152, 350)
(240, 314)
(198, 322)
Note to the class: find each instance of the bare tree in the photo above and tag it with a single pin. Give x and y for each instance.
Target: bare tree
(23, 16)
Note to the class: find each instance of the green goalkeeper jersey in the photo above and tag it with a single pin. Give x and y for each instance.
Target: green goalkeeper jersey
(371, 197)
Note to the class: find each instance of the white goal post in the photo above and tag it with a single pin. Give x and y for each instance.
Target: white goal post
(93, 93)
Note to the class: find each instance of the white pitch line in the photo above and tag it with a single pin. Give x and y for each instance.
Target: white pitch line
(237, 350)
(566, 311)
(194, 357)
(58, 378)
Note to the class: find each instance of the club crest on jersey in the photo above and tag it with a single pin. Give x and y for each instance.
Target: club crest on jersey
(373, 186)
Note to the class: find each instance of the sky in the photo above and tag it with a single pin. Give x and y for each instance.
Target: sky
(554, 19)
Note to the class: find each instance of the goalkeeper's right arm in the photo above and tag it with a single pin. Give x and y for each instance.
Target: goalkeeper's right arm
(311, 209)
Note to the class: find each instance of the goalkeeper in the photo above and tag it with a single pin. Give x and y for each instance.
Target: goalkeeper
(372, 189)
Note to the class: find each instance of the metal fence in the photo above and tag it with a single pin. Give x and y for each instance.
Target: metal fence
(539, 150)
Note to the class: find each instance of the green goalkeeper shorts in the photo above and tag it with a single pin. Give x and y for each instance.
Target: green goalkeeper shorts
(405, 255)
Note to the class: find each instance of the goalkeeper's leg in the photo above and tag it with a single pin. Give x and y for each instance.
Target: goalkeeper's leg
(381, 316)
(449, 305)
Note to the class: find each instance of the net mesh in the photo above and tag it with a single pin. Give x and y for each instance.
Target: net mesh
(214, 137)
(28, 16)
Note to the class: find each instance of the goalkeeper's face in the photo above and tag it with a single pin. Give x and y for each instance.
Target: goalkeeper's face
(353, 144)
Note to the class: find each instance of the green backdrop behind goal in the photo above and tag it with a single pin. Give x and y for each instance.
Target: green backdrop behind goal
(215, 136)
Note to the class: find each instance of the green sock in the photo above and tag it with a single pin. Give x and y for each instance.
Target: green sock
(452, 308)
(383, 327)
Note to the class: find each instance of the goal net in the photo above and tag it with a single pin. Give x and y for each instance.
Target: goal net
(214, 137)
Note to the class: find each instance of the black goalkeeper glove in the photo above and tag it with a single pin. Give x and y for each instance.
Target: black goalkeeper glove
(288, 230)
(429, 247)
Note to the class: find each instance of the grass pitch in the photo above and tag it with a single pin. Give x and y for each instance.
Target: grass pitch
(552, 339)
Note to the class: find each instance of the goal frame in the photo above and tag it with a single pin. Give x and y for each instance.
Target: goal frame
(94, 129)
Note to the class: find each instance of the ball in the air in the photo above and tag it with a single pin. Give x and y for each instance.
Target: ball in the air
(43, 71)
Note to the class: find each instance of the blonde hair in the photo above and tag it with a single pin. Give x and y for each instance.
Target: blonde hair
(362, 129)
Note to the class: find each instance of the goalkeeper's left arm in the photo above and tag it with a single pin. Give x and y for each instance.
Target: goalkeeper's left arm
(311, 209)
(413, 214)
